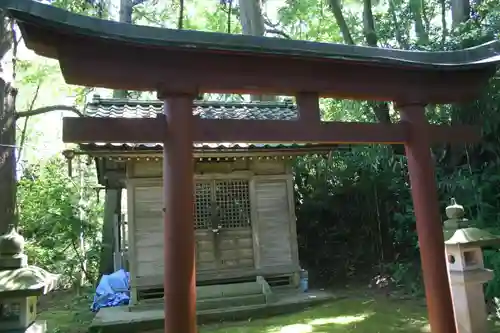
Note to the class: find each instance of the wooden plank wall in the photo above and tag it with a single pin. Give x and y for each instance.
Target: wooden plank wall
(273, 208)
(273, 241)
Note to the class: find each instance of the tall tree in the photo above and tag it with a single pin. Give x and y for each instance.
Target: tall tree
(460, 12)
(8, 118)
(380, 109)
(7, 129)
(125, 16)
(252, 23)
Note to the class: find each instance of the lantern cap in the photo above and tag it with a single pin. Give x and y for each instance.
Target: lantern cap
(28, 281)
(11, 243)
(454, 210)
(471, 236)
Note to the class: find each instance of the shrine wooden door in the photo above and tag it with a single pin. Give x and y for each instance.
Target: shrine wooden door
(224, 243)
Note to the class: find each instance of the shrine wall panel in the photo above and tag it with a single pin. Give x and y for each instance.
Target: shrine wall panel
(259, 166)
(275, 228)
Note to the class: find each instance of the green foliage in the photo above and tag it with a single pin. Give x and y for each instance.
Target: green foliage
(55, 213)
(354, 212)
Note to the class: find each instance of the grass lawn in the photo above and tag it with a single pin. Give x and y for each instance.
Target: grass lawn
(353, 314)
(66, 312)
(358, 312)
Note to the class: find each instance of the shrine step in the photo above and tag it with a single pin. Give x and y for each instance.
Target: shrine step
(217, 296)
(211, 291)
(231, 302)
(224, 296)
(229, 290)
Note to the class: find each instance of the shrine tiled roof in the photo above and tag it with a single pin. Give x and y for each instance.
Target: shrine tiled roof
(120, 108)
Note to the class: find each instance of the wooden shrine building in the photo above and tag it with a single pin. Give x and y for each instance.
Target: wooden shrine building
(244, 216)
(181, 64)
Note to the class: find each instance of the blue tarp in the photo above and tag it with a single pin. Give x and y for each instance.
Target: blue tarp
(112, 290)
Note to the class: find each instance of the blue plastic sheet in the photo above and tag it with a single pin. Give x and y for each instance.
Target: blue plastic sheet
(112, 290)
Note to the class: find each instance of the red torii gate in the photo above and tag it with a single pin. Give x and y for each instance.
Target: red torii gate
(180, 64)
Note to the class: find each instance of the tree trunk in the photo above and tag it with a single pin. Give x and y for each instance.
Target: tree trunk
(460, 11)
(7, 133)
(252, 23)
(339, 18)
(417, 10)
(397, 26)
(380, 109)
(369, 24)
(7, 157)
(444, 27)
(125, 16)
(110, 203)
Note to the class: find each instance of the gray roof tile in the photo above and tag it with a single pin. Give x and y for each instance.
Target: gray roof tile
(208, 110)
(119, 108)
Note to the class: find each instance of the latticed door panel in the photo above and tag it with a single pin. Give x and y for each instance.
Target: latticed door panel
(203, 205)
(233, 200)
(222, 220)
(222, 203)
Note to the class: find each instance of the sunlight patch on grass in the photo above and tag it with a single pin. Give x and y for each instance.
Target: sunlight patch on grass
(421, 324)
(359, 314)
(295, 328)
(309, 327)
(340, 320)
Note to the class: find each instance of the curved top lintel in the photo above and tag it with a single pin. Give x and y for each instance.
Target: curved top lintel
(50, 17)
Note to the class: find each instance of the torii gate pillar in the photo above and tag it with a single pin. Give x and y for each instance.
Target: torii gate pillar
(179, 241)
(429, 228)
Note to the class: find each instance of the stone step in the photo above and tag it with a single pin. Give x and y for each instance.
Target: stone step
(228, 290)
(221, 303)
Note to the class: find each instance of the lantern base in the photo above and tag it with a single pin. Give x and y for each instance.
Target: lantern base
(39, 326)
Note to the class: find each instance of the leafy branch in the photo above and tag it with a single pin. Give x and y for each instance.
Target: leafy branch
(138, 2)
(25, 127)
(273, 28)
(278, 32)
(46, 109)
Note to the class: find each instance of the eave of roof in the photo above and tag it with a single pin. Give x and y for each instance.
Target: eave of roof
(46, 16)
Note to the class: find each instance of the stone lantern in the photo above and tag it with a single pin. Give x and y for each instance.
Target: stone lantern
(464, 258)
(20, 287)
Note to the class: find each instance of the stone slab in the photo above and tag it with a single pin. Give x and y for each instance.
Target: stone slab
(39, 326)
(120, 319)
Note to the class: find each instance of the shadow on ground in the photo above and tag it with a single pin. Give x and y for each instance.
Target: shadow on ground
(352, 314)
